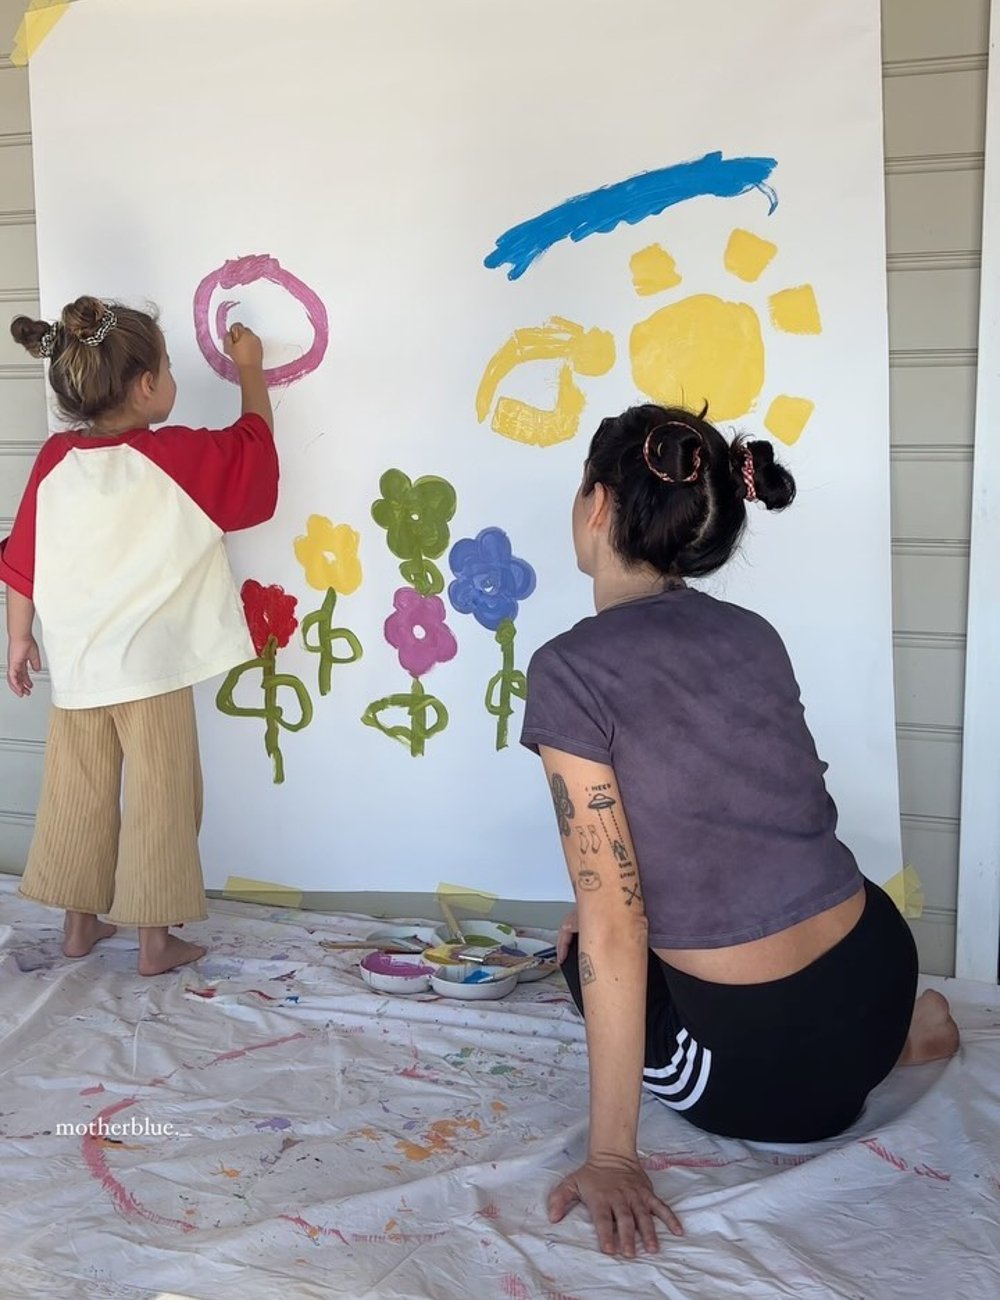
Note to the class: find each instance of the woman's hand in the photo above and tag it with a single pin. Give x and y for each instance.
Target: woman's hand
(22, 654)
(569, 927)
(621, 1201)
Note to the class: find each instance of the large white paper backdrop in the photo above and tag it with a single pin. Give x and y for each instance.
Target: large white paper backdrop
(377, 150)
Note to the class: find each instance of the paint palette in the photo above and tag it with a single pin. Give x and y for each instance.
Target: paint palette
(532, 947)
(486, 933)
(413, 938)
(388, 974)
(472, 983)
(443, 954)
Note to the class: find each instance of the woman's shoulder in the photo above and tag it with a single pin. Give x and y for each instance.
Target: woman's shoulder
(685, 616)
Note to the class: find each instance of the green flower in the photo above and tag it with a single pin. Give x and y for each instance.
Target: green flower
(415, 517)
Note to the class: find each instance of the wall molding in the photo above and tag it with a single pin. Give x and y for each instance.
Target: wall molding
(927, 163)
(939, 547)
(905, 358)
(21, 370)
(931, 451)
(924, 822)
(939, 916)
(15, 746)
(978, 936)
(946, 259)
(12, 818)
(15, 139)
(19, 295)
(17, 217)
(30, 448)
(928, 731)
(906, 640)
(933, 67)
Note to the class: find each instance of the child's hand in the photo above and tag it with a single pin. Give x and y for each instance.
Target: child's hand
(22, 655)
(243, 347)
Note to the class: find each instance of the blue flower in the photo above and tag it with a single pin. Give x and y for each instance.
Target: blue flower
(489, 578)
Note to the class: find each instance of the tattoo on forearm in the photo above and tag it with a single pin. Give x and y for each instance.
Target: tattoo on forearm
(587, 972)
(590, 840)
(604, 804)
(587, 878)
(562, 803)
(600, 800)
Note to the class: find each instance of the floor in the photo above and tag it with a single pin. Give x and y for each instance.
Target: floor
(286, 1132)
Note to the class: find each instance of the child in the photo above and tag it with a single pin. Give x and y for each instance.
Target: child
(731, 959)
(118, 544)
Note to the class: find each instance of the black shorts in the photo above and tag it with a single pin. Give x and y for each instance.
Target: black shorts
(790, 1060)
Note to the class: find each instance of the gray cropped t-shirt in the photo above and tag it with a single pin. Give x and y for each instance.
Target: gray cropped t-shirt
(694, 704)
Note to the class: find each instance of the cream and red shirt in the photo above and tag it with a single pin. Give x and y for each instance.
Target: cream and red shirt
(119, 543)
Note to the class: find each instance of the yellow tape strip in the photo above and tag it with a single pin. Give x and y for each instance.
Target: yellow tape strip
(39, 19)
(906, 890)
(469, 899)
(261, 891)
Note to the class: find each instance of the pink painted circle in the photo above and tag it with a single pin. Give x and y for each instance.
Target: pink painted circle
(242, 271)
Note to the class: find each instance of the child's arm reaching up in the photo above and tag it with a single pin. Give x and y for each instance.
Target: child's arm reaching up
(22, 648)
(244, 349)
(231, 473)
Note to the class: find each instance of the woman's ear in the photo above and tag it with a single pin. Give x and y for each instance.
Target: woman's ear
(146, 385)
(598, 508)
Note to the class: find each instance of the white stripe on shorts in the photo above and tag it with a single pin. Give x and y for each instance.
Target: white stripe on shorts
(679, 1085)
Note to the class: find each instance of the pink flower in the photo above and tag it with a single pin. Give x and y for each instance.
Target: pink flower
(417, 631)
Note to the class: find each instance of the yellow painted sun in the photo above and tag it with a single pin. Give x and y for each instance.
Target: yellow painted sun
(705, 349)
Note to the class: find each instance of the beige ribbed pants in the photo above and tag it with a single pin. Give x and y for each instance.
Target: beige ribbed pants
(134, 859)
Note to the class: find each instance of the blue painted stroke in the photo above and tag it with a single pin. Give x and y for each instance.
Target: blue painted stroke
(632, 201)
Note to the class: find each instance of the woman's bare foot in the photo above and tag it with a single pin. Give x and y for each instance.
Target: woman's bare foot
(160, 951)
(81, 930)
(933, 1035)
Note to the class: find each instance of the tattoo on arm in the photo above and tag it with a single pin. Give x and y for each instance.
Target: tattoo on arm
(600, 800)
(587, 878)
(587, 972)
(590, 840)
(604, 805)
(562, 803)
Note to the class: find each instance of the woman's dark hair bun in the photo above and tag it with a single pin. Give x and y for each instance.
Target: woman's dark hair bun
(773, 484)
(29, 333)
(680, 489)
(673, 451)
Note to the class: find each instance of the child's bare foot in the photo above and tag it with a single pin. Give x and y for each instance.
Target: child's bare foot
(81, 930)
(934, 1035)
(160, 951)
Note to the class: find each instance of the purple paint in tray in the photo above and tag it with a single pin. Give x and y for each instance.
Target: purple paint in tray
(382, 963)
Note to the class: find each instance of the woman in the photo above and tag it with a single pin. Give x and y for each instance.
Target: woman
(731, 958)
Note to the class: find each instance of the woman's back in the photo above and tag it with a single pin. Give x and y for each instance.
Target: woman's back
(694, 704)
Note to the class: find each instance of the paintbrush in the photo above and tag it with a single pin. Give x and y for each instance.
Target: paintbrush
(449, 916)
(506, 955)
(400, 946)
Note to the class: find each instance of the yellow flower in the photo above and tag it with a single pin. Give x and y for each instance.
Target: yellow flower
(329, 555)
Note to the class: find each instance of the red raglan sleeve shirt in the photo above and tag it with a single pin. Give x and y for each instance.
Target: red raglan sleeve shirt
(17, 552)
(120, 543)
(231, 473)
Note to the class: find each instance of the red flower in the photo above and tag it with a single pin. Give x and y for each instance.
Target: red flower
(270, 612)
